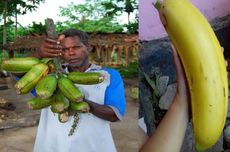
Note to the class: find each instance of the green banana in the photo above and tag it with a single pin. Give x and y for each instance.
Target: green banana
(31, 78)
(19, 65)
(80, 106)
(38, 103)
(60, 103)
(46, 86)
(69, 90)
(86, 77)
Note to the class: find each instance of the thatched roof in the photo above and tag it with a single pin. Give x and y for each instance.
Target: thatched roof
(33, 42)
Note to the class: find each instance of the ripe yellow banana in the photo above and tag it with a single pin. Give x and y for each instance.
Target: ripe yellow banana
(203, 62)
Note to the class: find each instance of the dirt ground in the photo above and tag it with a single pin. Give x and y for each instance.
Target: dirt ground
(22, 123)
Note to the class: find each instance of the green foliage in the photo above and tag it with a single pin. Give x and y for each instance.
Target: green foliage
(129, 6)
(99, 16)
(10, 31)
(19, 6)
(38, 28)
(60, 27)
(132, 27)
(129, 71)
(81, 12)
(103, 25)
(13, 7)
(111, 8)
(92, 16)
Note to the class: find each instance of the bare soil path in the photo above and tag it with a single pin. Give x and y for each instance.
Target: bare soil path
(22, 123)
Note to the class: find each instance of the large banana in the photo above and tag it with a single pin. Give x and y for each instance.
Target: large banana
(31, 78)
(46, 86)
(19, 65)
(203, 62)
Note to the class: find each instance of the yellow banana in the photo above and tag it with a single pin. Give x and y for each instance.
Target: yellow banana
(203, 62)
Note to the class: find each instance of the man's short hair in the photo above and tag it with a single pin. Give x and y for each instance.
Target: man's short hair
(83, 36)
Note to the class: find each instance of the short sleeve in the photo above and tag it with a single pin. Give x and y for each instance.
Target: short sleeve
(115, 94)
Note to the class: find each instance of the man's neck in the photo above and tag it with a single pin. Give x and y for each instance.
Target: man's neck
(80, 69)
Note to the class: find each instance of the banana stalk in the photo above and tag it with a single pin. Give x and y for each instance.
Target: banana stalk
(50, 63)
(204, 65)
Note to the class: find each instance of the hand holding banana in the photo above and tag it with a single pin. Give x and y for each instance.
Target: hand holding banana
(204, 66)
(50, 48)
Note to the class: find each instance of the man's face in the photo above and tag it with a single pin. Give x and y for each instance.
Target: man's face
(74, 52)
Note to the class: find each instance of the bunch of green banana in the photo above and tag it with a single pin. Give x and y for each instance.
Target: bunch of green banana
(204, 65)
(53, 89)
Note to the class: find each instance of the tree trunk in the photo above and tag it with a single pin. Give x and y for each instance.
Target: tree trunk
(128, 17)
(4, 18)
(16, 23)
(4, 28)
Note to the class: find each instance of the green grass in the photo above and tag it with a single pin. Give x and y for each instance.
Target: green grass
(129, 71)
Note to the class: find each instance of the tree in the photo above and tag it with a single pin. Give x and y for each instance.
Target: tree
(11, 8)
(129, 8)
(98, 16)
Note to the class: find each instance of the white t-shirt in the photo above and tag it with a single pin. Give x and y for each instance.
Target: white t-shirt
(91, 135)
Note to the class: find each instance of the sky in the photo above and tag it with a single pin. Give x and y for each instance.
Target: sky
(50, 9)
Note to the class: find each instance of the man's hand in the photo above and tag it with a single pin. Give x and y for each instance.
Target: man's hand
(182, 86)
(50, 48)
(102, 111)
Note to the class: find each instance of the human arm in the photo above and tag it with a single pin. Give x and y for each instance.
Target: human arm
(114, 105)
(170, 133)
(102, 111)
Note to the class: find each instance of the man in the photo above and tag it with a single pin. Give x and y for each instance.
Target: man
(106, 100)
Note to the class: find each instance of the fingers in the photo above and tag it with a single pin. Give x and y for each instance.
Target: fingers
(180, 74)
(47, 54)
(61, 38)
(49, 40)
(52, 51)
(50, 48)
(51, 43)
(177, 62)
